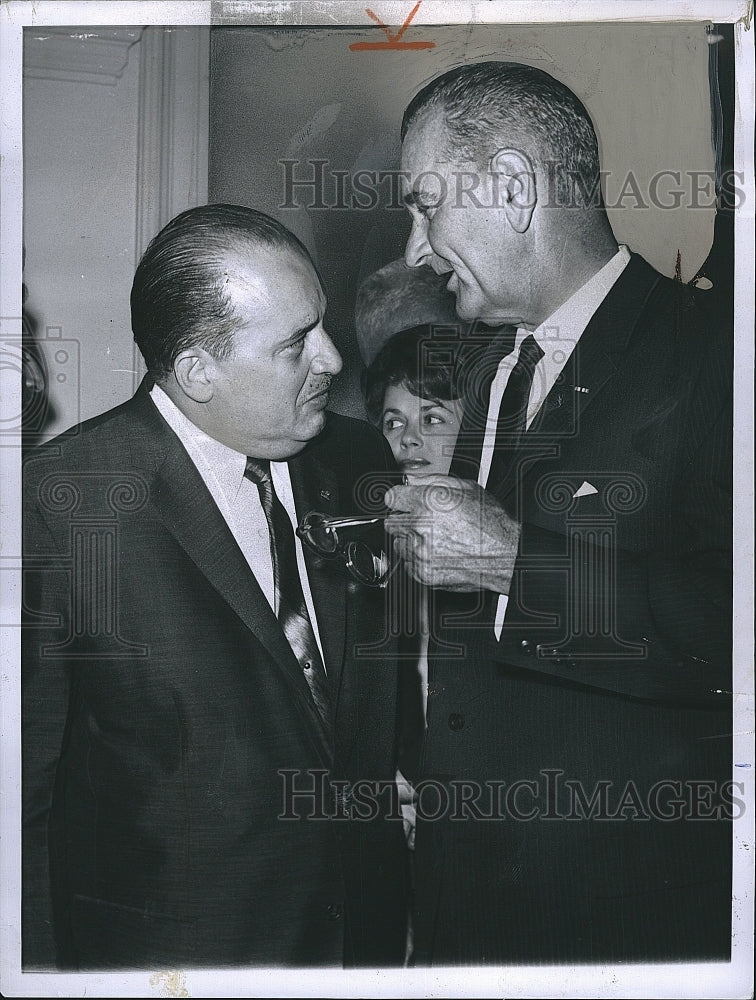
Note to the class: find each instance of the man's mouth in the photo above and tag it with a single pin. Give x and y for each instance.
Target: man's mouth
(319, 398)
(322, 390)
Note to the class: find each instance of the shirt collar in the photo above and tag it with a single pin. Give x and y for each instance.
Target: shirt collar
(223, 463)
(571, 318)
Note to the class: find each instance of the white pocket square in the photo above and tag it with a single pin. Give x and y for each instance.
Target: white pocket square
(585, 490)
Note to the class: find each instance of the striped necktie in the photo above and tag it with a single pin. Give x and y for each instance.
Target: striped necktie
(289, 598)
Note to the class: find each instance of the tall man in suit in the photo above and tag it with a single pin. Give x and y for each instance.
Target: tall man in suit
(199, 693)
(575, 803)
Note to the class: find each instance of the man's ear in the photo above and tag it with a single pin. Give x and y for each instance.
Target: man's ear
(195, 372)
(516, 186)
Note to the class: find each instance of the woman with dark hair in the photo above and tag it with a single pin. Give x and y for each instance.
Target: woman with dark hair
(413, 396)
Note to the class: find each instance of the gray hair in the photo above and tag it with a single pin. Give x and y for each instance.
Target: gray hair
(491, 104)
(397, 297)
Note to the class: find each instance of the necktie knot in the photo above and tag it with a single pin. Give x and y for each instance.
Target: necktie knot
(257, 470)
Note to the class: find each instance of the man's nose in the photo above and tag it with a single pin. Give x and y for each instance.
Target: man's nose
(418, 249)
(327, 358)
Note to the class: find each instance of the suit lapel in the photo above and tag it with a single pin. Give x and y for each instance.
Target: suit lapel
(187, 509)
(315, 487)
(591, 366)
(596, 357)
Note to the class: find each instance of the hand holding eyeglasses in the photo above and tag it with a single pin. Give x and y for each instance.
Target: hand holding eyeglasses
(328, 536)
(452, 534)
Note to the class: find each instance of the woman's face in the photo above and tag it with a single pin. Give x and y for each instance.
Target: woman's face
(421, 432)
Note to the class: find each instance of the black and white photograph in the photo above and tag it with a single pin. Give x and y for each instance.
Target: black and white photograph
(376, 430)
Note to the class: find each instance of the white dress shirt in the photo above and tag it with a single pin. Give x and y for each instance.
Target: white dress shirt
(557, 337)
(238, 499)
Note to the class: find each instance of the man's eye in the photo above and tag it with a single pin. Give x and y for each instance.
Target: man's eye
(296, 347)
(427, 211)
(423, 211)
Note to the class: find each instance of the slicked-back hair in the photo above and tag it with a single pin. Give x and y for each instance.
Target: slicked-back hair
(493, 105)
(179, 298)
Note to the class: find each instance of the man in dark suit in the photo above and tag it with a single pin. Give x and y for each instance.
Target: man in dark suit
(199, 693)
(576, 800)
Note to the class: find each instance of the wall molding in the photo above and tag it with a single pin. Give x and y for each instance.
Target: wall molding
(91, 55)
(173, 131)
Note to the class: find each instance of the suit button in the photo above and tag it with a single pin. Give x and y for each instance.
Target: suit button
(334, 911)
(456, 721)
(547, 651)
(526, 647)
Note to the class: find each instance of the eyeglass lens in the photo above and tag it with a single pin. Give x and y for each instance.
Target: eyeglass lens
(321, 535)
(362, 562)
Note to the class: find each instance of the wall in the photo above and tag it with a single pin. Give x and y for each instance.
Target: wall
(115, 144)
(79, 175)
(302, 94)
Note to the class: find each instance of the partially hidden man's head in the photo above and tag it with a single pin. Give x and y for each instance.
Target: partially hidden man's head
(397, 297)
(227, 310)
(502, 172)
(413, 395)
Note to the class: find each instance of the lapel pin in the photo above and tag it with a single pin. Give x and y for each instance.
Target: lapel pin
(325, 494)
(580, 388)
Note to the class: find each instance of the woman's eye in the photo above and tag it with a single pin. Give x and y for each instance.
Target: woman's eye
(391, 424)
(431, 418)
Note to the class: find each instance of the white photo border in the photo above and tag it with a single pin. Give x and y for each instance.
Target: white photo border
(734, 979)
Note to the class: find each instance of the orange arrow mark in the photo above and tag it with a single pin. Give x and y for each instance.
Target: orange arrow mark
(394, 40)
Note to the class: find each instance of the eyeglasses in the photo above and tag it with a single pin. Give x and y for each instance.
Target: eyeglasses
(322, 534)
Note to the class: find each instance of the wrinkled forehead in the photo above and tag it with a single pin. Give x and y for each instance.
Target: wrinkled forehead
(430, 161)
(263, 275)
(426, 142)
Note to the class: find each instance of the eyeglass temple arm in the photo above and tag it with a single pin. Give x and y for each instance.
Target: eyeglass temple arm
(351, 522)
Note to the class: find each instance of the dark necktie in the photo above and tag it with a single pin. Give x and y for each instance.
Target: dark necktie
(513, 412)
(292, 610)
(477, 391)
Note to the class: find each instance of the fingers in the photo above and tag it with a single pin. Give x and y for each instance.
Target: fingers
(400, 524)
(432, 479)
(406, 545)
(407, 549)
(401, 498)
(417, 495)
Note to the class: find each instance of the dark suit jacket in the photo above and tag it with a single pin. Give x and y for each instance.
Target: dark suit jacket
(165, 719)
(613, 670)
